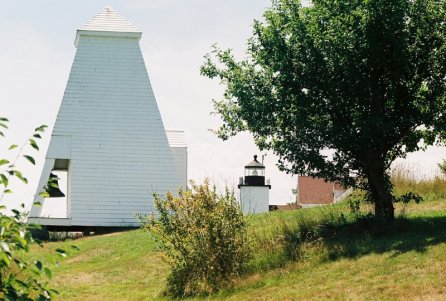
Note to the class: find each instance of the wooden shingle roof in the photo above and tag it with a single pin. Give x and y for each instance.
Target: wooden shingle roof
(108, 23)
(109, 20)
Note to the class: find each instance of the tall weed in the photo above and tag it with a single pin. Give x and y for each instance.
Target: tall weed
(404, 180)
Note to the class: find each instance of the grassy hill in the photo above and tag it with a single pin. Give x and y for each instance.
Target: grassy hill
(408, 263)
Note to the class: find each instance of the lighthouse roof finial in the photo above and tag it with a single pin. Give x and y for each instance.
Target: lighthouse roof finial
(255, 164)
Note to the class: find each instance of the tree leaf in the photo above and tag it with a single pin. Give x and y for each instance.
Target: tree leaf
(13, 146)
(23, 284)
(33, 143)
(61, 252)
(5, 246)
(4, 180)
(44, 194)
(30, 159)
(48, 273)
(38, 264)
(3, 162)
(19, 175)
(5, 259)
(40, 128)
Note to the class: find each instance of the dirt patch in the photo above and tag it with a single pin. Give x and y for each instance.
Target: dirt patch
(111, 234)
(77, 258)
(90, 278)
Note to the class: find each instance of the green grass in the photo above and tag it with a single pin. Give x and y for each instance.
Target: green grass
(120, 266)
(340, 258)
(406, 262)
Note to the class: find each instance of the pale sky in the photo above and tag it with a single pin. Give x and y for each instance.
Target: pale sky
(37, 51)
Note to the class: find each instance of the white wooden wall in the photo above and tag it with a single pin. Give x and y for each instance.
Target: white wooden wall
(113, 135)
(254, 199)
(180, 157)
(178, 146)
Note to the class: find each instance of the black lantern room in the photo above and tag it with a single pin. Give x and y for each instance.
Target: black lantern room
(254, 174)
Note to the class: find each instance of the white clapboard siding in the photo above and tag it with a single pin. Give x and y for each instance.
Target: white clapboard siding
(117, 145)
(178, 145)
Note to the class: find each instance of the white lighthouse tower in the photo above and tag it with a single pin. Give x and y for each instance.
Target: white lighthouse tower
(254, 194)
(109, 137)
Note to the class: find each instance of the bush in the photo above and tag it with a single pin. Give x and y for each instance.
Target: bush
(204, 236)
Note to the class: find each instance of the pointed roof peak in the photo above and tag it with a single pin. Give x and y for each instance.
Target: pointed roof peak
(109, 20)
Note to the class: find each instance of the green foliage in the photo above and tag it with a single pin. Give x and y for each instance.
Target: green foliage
(409, 197)
(204, 236)
(364, 79)
(354, 204)
(19, 279)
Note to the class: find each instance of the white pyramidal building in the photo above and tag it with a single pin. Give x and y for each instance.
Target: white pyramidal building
(109, 136)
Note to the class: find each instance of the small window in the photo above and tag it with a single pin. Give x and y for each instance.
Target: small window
(61, 164)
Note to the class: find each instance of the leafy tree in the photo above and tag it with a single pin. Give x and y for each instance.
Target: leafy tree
(362, 78)
(20, 279)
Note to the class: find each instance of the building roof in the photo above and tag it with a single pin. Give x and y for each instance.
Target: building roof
(109, 23)
(315, 191)
(255, 164)
(176, 138)
(109, 20)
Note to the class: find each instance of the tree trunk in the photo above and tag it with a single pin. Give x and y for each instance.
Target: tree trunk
(383, 203)
(380, 189)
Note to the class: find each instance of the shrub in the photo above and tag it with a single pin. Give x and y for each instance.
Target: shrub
(19, 278)
(204, 235)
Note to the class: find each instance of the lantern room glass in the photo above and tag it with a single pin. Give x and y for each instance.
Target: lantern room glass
(255, 171)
